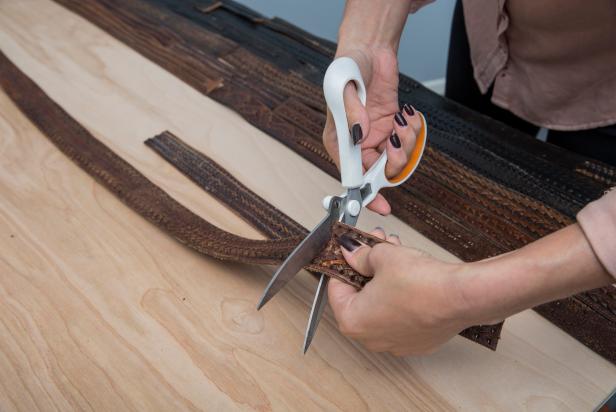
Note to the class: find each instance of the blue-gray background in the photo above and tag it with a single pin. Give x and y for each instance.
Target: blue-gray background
(423, 50)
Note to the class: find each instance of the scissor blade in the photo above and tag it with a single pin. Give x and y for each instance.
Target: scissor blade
(352, 194)
(320, 300)
(303, 254)
(350, 220)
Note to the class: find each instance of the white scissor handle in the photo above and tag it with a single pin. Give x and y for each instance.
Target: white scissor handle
(341, 71)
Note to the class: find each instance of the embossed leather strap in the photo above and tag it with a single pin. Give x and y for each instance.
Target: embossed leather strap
(272, 222)
(155, 205)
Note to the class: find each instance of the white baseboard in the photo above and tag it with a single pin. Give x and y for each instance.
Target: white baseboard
(436, 85)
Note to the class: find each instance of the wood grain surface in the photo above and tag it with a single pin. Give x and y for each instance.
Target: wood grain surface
(101, 311)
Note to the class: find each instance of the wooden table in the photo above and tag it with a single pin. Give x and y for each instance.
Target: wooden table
(100, 310)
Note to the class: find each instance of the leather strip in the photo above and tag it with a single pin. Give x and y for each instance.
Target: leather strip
(216, 181)
(273, 80)
(156, 206)
(124, 181)
(270, 221)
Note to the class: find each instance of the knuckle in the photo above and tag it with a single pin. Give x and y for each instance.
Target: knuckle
(378, 254)
(395, 165)
(398, 162)
(409, 142)
(379, 249)
(344, 327)
(356, 114)
(378, 232)
(405, 133)
(416, 124)
(347, 326)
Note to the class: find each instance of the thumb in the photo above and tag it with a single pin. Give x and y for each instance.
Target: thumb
(340, 296)
(357, 115)
(330, 140)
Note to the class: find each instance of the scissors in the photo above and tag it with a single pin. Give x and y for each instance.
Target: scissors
(361, 188)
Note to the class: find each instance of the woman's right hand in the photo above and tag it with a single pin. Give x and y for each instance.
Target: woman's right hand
(380, 125)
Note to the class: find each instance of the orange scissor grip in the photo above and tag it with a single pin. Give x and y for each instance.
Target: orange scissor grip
(415, 156)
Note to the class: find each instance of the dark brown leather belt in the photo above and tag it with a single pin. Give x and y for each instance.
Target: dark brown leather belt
(151, 202)
(483, 188)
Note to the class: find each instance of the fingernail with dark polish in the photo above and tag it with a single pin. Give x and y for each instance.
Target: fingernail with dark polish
(356, 133)
(394, 235)
(408, 109)
(395, 141)
(348, 243)
(400, 120)
(379, 228)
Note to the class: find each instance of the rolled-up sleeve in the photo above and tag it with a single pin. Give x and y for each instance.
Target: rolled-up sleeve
(598, 221)
(418, 4)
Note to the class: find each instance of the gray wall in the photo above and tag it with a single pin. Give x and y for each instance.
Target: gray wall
(423, 50)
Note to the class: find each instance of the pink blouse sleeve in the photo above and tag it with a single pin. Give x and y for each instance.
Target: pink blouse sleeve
(418, 4)
(598, 221)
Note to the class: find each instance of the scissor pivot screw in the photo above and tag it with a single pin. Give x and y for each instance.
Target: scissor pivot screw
(353, 207)
(327, 202)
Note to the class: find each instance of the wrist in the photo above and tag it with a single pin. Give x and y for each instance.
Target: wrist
(372, 24)
(556, 266)
(484, 290)
(471, 302)
(460, 288)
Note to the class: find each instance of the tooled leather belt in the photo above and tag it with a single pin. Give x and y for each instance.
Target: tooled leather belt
(483, 188)
(155, 205)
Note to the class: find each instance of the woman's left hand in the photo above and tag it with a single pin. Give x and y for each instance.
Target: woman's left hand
(415, 303)
(412, 306)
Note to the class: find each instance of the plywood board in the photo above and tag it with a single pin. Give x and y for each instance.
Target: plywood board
(100, 310)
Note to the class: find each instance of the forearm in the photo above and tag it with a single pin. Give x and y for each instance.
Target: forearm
(372, 23)
(551, 268)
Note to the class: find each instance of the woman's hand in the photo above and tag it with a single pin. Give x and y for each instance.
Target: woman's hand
(412, 305)
(415, 303)
(379, 125)
(370, 34)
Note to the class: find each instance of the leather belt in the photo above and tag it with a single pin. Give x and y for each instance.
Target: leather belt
(156, 206)
(270, 72)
